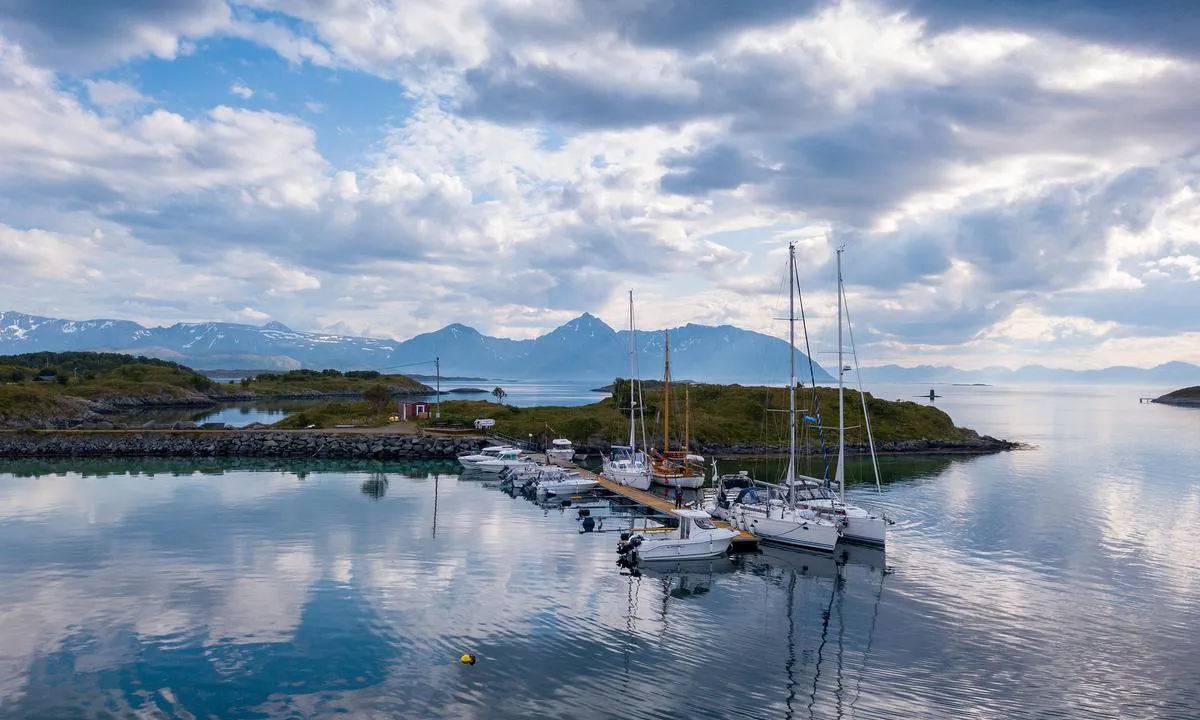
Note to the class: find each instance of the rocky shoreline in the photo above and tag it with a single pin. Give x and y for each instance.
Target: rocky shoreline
(978, 446)
(237, 443)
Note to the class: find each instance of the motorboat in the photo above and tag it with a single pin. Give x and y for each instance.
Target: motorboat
(718, 500)
(568, 484)
(697, 536)
(470, 460)
(509, 458)
(560, 449)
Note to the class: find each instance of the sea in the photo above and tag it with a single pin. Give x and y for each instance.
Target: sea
(1061, 580)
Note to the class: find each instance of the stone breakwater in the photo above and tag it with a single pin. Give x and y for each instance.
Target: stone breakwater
(304, 444)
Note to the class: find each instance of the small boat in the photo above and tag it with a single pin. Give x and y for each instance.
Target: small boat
(560, 449)
(718, 500)
(508, 458)
(696, 537)
(470, 460)
(568, 484)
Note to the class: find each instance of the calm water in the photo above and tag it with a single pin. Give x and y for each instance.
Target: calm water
(1061, 581)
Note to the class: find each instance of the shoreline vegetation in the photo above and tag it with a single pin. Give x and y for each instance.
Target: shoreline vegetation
(1184, 397)
(71, 396)
(735, 420)
(62, 390)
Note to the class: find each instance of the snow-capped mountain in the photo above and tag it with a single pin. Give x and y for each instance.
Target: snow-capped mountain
(584, 348)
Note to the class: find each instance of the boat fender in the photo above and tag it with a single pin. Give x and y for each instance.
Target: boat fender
(468, 659)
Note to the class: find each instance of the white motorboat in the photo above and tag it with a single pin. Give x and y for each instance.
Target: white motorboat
(470, 460)
(510, 458)
(560, 449)
(568, 484)
(779, 519)
(718, 500)
(625, 464)
(696, 537)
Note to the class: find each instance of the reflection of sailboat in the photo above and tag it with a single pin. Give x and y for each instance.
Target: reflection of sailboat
(791, 569)
(376, 486)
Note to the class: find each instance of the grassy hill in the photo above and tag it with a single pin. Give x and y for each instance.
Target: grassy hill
(45, 387)
(718, 414)
(1184, 396)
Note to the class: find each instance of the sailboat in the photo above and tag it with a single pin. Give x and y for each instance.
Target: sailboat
(674, 468)
(780, 519)
(859, 525)
(624, 464)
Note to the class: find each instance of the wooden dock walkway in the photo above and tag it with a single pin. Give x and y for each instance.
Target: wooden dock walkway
(743, 542)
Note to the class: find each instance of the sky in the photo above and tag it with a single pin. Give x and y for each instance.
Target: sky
(1013, 181)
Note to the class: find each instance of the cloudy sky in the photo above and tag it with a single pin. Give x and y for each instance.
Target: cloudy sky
(1014, 180)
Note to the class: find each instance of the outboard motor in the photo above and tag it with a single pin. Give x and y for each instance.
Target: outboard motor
(630, 546)
(589, 523)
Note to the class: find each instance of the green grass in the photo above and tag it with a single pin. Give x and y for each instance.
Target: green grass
(1188, 393)
(325, 381)
(718, 414)
(328, 414)
(165, 380)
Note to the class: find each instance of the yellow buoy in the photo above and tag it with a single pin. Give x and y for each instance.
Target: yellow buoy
(468, 659)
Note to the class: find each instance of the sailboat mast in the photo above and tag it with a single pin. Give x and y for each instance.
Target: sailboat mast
(791, 470)
(841, 469)
(666, 392)
(686, 414)
(632, 403)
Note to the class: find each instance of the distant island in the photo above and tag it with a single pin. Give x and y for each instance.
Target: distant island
(1186, 397)
(65, 390)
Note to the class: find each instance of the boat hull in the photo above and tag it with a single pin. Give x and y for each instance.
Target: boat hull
(634, 478)
(560, 454)
(690, 482)
(784, 530)
(674, 549)
(868, 531)
(566, 487)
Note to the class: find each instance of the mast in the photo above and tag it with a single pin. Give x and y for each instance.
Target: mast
(686, 413)
(666, 392)
(841, 470)
(632, 403)
(791, 469)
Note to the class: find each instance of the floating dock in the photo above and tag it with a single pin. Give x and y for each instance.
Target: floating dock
(744, 542)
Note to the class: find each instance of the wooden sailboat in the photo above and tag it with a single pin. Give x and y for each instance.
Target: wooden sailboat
(675, 468)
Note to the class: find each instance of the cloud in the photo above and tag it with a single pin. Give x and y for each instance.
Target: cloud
(110, 94)
(241, 91)
(83, 36)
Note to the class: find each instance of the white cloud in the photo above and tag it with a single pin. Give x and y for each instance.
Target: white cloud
(241, 91)
(111, 94)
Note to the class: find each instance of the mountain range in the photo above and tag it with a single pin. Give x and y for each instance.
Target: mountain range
(585, 348)
(1171, 373)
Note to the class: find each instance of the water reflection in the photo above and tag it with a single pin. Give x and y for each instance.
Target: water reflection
(1017, 585)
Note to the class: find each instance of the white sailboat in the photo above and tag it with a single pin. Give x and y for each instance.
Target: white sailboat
(781, 520)
(625, 464)
(859, 524)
